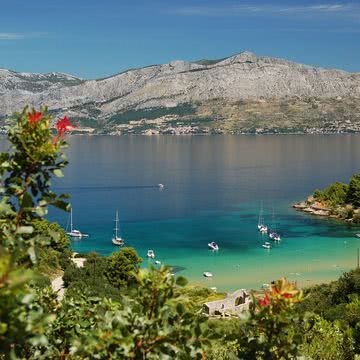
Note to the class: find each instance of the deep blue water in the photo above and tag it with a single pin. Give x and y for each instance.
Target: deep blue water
(213, 189)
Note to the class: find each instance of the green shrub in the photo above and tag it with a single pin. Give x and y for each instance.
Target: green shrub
(354, 190)
(323, 340)
(334, 194)
(356, 218)
(122, 268)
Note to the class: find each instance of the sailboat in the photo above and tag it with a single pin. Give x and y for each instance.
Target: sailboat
(261, 226)
(273, 235)
(73, 232)
(117, 240)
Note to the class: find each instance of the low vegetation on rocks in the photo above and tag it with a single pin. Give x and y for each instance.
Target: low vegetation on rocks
(338, 200)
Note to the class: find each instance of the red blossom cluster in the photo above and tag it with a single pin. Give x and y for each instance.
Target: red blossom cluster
(282, 289)
(34, 117)
(62, 125)
(265, 301)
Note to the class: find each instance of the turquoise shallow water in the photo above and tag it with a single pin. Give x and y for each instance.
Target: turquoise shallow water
(213, 190)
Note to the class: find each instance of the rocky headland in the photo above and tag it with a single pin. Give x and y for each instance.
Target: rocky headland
(314, 207)
(338, 200)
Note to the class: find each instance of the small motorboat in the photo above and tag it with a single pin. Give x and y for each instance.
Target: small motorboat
(358, 235)
(213, 246)
(207, 274)
(150, 254)
(161, 186)
(266, 245)
(274, 236)
(157, 262)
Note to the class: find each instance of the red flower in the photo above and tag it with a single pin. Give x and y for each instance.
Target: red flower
(64, 125)
(264, 302)
(34, 117)
(288, 296)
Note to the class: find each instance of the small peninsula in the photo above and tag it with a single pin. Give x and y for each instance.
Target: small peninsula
(338, 200)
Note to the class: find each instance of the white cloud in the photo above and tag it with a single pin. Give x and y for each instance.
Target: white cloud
(20, 36)
(236, 10)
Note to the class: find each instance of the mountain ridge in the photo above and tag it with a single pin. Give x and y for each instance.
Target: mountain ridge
(237, 84)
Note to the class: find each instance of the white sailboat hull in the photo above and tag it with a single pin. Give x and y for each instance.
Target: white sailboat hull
(76, 233)
(118, 241)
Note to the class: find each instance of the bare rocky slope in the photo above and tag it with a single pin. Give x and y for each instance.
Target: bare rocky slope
(244, 93)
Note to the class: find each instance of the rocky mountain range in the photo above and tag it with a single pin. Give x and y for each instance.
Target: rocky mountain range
(243, 93)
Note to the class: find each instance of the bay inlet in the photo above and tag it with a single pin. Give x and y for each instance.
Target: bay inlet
(214, 187)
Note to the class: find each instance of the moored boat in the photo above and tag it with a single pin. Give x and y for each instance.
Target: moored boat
(207, 274)
(117, 240)
(73, 232)
(266, 245)
(150, 254)
(274, 236)
(261, 226)
(213, 246)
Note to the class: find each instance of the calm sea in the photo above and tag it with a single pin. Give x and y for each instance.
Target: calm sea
(214, 186)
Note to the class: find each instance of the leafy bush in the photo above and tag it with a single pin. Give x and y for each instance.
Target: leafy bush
(356, 218)
(58, 240)
(354, 190)
(324, 340)
(25, 174)
(272, 330)
(122, 268)
(90, 278)
(334, 194)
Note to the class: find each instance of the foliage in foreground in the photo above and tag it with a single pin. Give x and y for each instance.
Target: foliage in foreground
(33, 323)
(138, 314)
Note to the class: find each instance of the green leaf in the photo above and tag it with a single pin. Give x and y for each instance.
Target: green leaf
(3, 328)
(181, 281)
(31, 252)
(55, 235)
(25, 230)
(180, 309)
(41, 211)
(27, 201)
(58, 173)
(63, 205)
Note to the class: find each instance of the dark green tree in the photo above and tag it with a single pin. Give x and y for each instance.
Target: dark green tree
(123, 267)
(58, 240)
(354, 190)
(335, 194)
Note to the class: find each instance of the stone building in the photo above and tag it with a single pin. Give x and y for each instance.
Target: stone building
(234, 303)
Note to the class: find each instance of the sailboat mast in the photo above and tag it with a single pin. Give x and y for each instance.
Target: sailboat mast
(261, 220)
(273, 219)
(116, 224)
(71, 221)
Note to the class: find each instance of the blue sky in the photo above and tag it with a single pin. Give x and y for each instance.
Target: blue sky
(95, 38)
